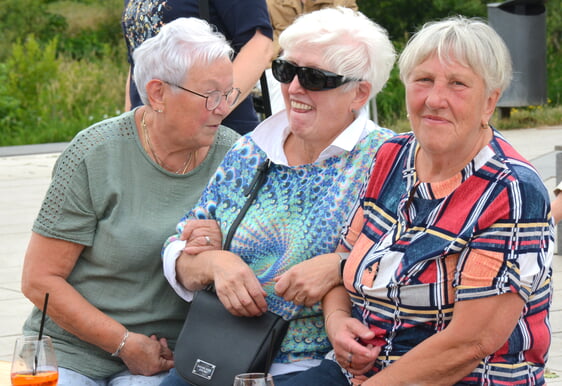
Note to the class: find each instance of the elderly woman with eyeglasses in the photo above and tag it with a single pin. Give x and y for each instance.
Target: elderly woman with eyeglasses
(321, 149)
(114, 198)
(449, 277)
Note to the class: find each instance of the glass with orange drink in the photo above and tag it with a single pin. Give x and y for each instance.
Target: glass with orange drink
(34, 362)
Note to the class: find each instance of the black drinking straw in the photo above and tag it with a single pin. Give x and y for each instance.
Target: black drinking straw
(40, 332)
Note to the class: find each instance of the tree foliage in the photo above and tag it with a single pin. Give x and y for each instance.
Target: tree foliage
(403, 17)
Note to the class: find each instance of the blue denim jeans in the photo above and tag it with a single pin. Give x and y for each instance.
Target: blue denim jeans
(125, 378)
(174, 379)
(328, 373)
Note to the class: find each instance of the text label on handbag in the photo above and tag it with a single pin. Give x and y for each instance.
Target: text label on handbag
(204, 369)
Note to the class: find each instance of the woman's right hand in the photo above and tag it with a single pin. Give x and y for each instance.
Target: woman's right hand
(237, 286)
(145, 355)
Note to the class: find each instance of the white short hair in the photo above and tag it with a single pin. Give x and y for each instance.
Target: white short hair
(468, 41)
(353, 45)
(170, 54)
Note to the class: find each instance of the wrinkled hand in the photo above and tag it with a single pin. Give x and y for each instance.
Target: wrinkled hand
(306, 283)
(201, 235)
(146, 355)
(237, 286)
(345, 334)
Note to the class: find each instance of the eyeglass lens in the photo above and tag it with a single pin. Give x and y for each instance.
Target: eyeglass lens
(214, 98)
(310, 78)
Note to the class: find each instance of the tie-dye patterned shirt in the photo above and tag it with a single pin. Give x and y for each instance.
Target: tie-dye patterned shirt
(424, 246)
(298, 214)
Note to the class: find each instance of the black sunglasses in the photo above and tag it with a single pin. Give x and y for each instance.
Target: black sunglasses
(310, 78)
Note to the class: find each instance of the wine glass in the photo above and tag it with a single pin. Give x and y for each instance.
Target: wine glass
(34, 362)
(253, 379)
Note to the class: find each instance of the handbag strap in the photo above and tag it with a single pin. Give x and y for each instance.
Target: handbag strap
(205, 14)
(265, 95)
(251, 192)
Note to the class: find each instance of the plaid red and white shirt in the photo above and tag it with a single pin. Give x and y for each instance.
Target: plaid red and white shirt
(417, 248)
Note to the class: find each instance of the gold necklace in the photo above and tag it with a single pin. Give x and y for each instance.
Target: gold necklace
(148, 143)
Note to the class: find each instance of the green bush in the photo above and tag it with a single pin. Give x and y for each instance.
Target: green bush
(27, 74)
(19, 18)
(51, 99)
(52, 88)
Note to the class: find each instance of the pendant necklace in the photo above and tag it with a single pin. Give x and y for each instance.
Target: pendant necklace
(148, 143)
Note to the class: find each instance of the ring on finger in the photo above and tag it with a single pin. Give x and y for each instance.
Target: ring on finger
(208, 240)
(349, 358)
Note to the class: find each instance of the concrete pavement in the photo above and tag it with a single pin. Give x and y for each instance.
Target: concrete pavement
(25, 175)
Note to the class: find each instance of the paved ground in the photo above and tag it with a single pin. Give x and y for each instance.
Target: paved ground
(25, 174)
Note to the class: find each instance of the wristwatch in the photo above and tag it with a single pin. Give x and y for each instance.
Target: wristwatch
(343, 259)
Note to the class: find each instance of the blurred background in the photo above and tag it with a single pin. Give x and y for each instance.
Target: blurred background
(63, 64)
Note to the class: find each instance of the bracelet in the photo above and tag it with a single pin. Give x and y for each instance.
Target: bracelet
(331, 313)
(121, 345)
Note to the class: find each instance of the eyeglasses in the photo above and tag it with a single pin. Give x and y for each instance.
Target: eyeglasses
(213, 100)
(310, 78)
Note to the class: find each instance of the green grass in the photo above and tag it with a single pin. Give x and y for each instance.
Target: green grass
(82, 16)
(531, 116)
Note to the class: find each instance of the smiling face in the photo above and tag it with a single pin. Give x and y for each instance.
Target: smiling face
(318, 116)
(447, 105)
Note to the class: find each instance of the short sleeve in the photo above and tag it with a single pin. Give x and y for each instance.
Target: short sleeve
(67, 211)
(512, 250)
(242, 18)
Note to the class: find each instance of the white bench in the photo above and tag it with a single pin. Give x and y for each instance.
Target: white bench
(5, 373)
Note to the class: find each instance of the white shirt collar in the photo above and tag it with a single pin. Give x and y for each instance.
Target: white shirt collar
(270, 136)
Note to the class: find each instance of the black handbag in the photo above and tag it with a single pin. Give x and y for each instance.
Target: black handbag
(214, 345)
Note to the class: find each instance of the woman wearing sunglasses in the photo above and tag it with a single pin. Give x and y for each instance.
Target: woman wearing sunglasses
(321, 148)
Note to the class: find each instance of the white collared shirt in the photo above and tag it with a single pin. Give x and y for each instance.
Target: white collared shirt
(271, 134)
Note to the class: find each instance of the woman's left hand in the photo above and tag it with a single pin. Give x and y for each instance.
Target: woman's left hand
(146, 355)
(201, 235)
(306, 283)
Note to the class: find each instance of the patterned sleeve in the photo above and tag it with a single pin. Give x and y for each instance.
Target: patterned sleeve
(512, 247)
(354, 225)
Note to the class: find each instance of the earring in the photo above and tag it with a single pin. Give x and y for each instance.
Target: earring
(159, 111)
(484, 125)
